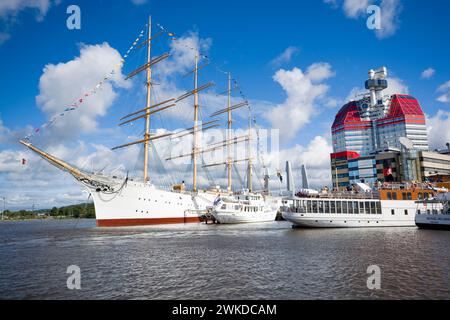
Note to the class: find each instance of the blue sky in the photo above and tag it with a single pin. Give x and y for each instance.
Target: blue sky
(247, 38)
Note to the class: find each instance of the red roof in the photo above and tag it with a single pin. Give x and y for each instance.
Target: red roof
(345, 154)
(348, 112)
(348, 118)
(403, 108)
(404, 105)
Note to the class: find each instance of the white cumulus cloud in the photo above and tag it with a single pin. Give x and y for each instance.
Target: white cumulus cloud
(427, 73)
(355, 8)
(303, 90)
(315, 155)
(10, 10)
(395, 85)
(438, 129)
(390, 11)
(286, 56)
(444, 98)
(62, 84)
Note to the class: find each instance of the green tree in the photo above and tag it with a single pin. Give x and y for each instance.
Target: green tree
(54, 212)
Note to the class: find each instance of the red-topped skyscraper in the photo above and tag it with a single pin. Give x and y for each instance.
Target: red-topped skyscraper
(375, 123)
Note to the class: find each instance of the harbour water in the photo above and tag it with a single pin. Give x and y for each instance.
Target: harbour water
(198, 261)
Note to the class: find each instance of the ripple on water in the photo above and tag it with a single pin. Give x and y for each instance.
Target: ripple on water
(198, 261)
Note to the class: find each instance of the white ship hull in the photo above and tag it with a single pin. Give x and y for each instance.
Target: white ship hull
(245, 217)
(433, 221)
(143, 204)
(396, 213)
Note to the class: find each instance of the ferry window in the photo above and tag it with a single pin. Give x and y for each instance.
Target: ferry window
(389, 196)
(339, 206)
(420, 196)
(425, 195)
(314, 206)
(327, 206)
(406, 212)
(309, 205)
(355, 207)
(349, 207)
(361, 207)
(378, 207)
(428, 211)
(224, 206)
(367, 207)
(392, 211)
(344, 207)
(320, 206)
(394, 195)
(236, 207)
(372, 207)
(333, 207)
(409, 196)
(403, 195)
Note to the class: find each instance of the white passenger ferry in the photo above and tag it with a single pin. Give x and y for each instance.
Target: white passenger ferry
(391, 206)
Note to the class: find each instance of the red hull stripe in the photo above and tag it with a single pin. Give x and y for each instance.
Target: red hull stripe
(142, 222)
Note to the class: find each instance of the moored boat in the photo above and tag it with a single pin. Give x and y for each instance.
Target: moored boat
(391, 206)
(435, 213)
(124, 202)
(244, 208)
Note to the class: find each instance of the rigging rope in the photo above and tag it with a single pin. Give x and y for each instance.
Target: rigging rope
(81, 99)
(238, 175)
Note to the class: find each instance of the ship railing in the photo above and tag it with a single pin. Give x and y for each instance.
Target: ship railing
(346, 195)
(406, 185)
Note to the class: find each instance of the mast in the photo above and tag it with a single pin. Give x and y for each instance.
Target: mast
(77, 173)
(194, 148)
(229, 164)
(147, 112)
(250, 171)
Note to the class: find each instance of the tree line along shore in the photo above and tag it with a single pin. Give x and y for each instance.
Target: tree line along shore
(82, 210)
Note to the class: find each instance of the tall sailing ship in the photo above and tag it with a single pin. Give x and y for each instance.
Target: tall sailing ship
(123, 202)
